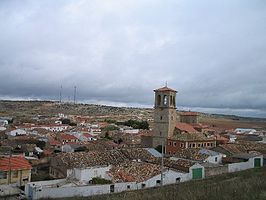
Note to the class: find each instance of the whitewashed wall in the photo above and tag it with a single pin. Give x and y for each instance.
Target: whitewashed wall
(88, 173)
(234, 167)
(211, 159)
(43, 189)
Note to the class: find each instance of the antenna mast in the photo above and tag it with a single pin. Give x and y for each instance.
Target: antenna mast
(75, 93)
(60, 95)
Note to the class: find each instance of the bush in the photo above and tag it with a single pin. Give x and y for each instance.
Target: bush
(137, 124)
(99, 180)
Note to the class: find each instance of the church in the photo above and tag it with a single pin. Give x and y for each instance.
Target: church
(170, 132)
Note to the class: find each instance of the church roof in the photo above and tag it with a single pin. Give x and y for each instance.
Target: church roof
(191, 137)
(189, 113)
(164, 89)
(185, 127)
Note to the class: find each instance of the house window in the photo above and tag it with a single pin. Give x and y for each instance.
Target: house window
(3, 175)
(177, 180)
(15, 174)
(174, 144)
(143, 185)
(181, 145)
(112, 188)
(128, 186)
(25, 179)
(199, 145)
(158, 182)
(216, 159)
(161, 117)
(170, 143)
(194, 145)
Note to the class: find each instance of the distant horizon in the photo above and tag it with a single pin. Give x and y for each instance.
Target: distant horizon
(243, 113)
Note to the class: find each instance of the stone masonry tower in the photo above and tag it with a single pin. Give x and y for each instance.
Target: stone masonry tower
(165, 116)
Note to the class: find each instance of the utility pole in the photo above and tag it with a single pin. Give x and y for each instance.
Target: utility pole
(75, 91)
(60, 94)
(162, 163)
(9, 168)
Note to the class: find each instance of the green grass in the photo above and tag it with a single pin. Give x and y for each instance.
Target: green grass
(245, 185)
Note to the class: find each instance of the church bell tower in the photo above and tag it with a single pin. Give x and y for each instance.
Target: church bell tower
(165, 116)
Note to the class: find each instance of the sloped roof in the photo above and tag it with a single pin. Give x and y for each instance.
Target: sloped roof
(191, 137)
(179, 164)
(102, 158)
(191, 154)
(189, 113)
(230, 149)
(185, 127)
(130, 171)
(68, 137)
(14, 163)
(164, 89)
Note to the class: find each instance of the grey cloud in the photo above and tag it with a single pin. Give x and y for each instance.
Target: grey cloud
(119, 51)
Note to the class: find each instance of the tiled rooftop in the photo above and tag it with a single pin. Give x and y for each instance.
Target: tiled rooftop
(14, 163)
(130, 171)
(190, 137)
(184, 127)
(164, 89)
(180, 164)
(189, 113)
(102, 158)
(92, 158)
(191, 154)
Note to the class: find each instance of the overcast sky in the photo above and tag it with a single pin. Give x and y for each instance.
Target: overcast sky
(117, 51)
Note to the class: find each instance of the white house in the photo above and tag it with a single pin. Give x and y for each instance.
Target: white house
(245, 131)
(213, 156)
(17, 132)
(3, 122)
(78, 182)
(52, 127)
(245, 161)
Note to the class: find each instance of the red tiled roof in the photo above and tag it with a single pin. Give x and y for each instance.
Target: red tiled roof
(14, 163)
(47, 152)
(87, 135)
(164, 89)
(68, 137)
(219, 137)
(146, 133)
(185, 127)
(189, 113)
(54, 142)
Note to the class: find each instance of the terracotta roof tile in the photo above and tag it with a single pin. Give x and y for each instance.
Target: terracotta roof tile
(130, 171)
(14, 163)
(185, 127)
(164, 89)
(189, 113)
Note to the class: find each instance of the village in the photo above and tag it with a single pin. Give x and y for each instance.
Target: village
(68, 155)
